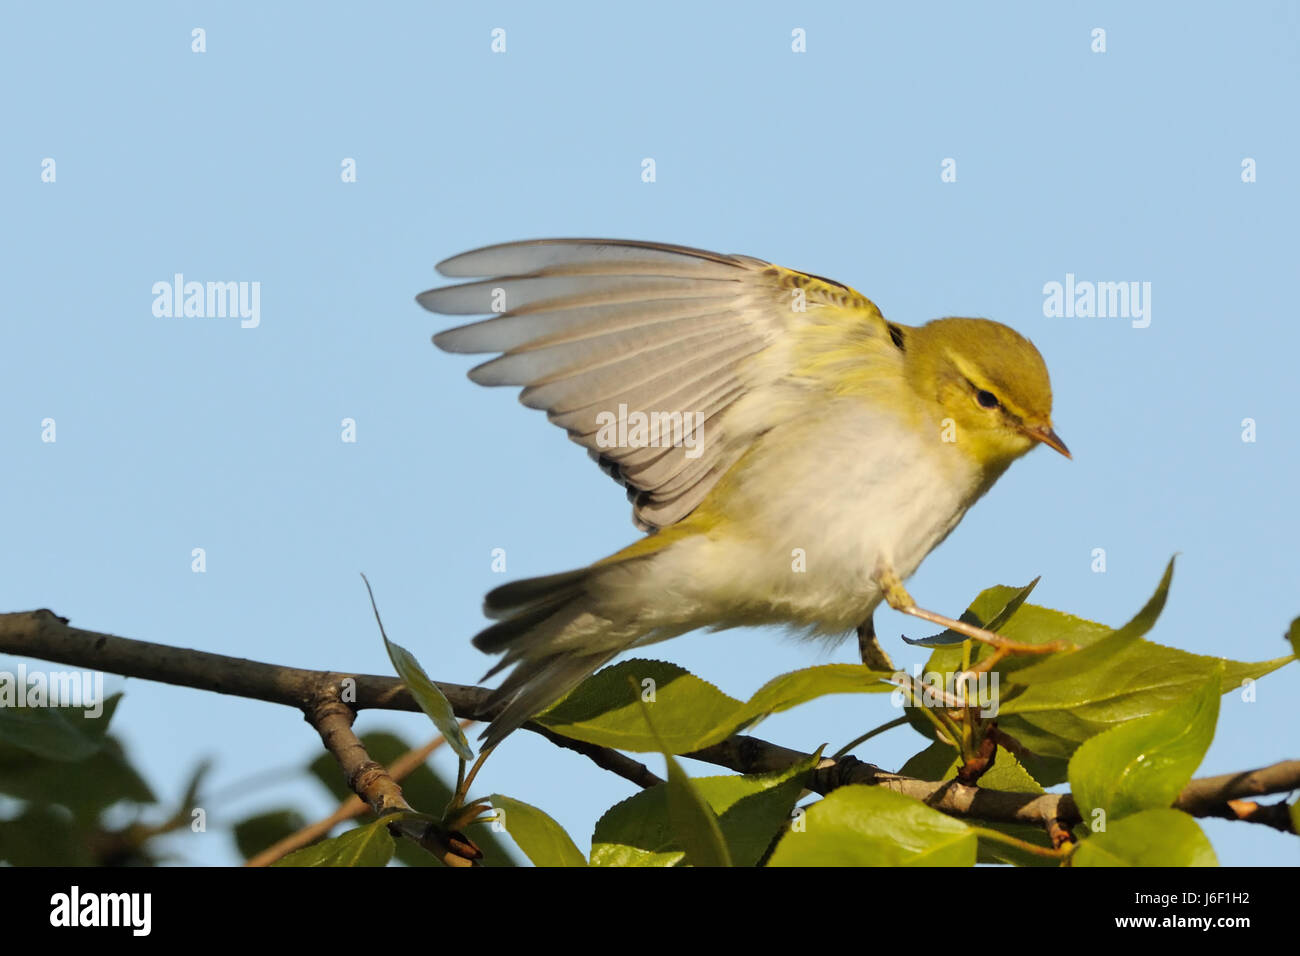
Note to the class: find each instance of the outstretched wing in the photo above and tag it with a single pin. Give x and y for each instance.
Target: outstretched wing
(599, 330)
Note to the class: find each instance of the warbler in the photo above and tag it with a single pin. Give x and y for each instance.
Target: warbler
(791, 454)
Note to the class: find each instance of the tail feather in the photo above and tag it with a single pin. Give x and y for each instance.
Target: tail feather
(509, 599)
(533, 685)
(504, 634)
(553, 634)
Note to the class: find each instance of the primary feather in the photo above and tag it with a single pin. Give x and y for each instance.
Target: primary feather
(586, 326)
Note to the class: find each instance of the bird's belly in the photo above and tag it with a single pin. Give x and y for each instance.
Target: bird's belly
(815, 514)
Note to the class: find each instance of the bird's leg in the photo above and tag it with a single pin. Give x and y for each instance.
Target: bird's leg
(891, 586)
(873, 655)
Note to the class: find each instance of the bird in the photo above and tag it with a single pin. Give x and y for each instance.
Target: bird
(789, 453)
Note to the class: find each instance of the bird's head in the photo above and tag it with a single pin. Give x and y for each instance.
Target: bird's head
(990, 381)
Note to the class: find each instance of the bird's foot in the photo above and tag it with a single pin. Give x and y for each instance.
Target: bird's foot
(897, 597)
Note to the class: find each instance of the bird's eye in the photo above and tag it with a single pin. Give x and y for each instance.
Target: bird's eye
(986, 399)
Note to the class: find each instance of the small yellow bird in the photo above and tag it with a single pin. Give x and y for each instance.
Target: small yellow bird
(793, 455)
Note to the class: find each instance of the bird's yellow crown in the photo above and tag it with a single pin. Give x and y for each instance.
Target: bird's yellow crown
(989, 380)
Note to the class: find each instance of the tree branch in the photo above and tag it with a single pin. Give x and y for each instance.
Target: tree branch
(45, 635)
(42, 634)
(351, 807)
(372, 782)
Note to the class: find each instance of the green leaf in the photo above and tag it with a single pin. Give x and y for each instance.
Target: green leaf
(1162, 837)
(1029, 624)
(693, 820)
(1009, 775)
(860, 825)
(751, 811)
(1145, 763)
(940, 762)
(1033, 624)
(799, 687)
(1048, 771)
(540, 837)
(1053, 719)
(637, 832)
(995, 851)
(254, 834)
(44, 836)
(86, 787)
(1125, 682)
(932, 763)
(1070, 665)
(605, 710)
(197, 776)
(369, 845)
(431, 700)
(690, 713)
(949, 636)
(426, 692)
(55, 733)
(1293, 635)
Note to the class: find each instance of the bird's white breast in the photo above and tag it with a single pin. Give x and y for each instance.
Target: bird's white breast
(817, 507)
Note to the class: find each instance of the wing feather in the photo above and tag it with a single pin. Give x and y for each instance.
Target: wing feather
(515, 258)
(536, 364)
(591, 328)
(659, 370)
(536, 328)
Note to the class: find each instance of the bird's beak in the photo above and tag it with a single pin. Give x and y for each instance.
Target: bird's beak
(1048, 437)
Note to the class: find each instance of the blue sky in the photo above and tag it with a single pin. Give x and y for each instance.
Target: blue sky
(181, 433)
